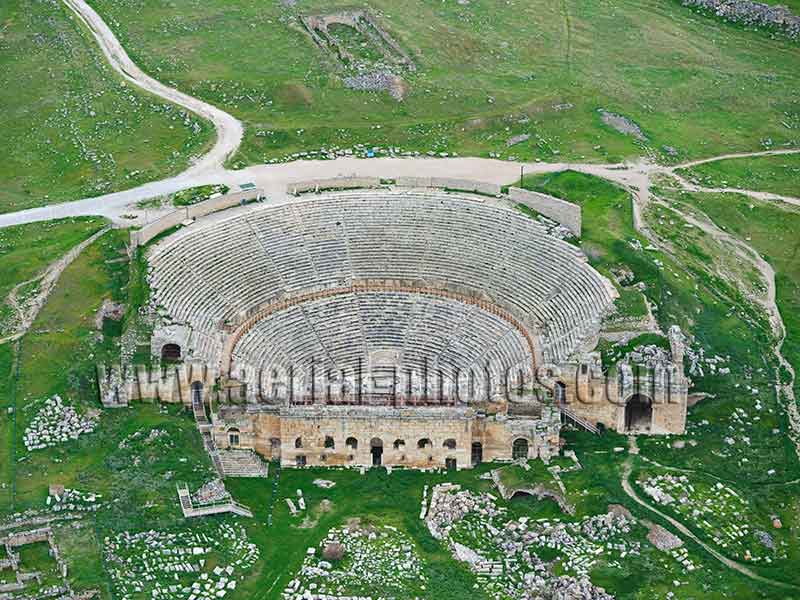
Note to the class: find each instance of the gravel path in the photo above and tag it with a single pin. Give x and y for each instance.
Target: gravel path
(229, 130)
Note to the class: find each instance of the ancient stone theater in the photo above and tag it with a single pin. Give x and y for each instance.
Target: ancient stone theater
(407, 324)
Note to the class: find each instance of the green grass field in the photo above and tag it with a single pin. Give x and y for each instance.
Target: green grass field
(71, 127)
(485, 73)
(771, 229)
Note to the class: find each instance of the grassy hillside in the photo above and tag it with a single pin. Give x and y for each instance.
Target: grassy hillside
(71, 127)
(770, 228)
(486, 72)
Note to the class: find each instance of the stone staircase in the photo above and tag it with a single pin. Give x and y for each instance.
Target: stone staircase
(568, 415)
(242, 463)
(189, 509)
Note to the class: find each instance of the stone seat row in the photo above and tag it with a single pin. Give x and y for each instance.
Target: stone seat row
(206, 275)
(425, 332)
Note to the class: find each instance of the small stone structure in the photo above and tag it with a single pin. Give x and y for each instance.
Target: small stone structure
(25, 578)
(362, 21)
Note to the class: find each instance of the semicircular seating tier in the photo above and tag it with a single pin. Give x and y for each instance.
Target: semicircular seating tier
(374, 329)
(222, 270)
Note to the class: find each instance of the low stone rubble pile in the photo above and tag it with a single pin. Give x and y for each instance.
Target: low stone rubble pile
(503, 552)
(56, 423)
(381, 559)
(650, 356)
(554, 228)
(184, 565)
(753, 14)
(213, 491)
(73, 501)
(376, 81)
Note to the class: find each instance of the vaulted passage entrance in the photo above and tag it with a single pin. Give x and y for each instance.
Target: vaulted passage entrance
(638, 413)
(376, 448)
(477, 453)
(170, 352)
(520, 449)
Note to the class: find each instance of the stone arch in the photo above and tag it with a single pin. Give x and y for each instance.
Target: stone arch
(638, 413)
(519, 448)
(399, 444)
(329, 442)
(449, 443)
(171, 352)
(424, 444)
(351, 443)
(298, 442)
(233, 437)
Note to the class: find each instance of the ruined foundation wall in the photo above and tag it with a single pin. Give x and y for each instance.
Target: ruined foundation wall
(566, 213)
(313, 431)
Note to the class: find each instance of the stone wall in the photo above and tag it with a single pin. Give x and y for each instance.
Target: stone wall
(566, 213)
(332, 183)
(173, 219)
(167, 383)
(601, 398)
(451, 430)
(366, 428)
(460, 185)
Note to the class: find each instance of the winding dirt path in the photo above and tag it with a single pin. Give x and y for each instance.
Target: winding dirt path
(768, 303)
(768, 196)
(229, 130)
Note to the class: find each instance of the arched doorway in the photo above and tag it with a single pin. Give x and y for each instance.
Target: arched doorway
(477, 453)
(638, 413)
(170, 352)
(519, 450)
(376, 448)
(233, 437)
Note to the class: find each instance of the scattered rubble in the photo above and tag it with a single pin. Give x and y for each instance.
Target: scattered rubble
(56, 423)
(717, 510)
(663, 539)
(379, 558)
(503, 551)
(179, 565)
(622, 124)
(752, 14)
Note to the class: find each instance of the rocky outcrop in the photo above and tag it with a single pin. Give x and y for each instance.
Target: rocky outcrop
(753, 14)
